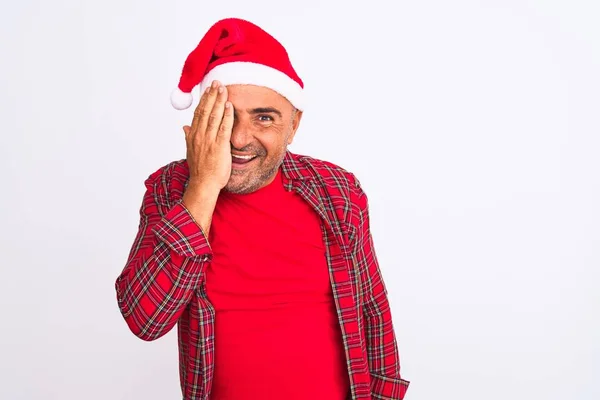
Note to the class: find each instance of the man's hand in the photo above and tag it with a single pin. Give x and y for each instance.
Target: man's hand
(208, 139)
(208, 153)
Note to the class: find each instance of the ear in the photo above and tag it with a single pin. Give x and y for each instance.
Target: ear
(296, 118)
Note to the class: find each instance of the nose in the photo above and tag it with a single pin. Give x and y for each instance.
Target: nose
(241, 135)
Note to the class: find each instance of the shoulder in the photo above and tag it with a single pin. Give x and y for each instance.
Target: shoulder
(333, 176)
(169, 180)
(173, 170)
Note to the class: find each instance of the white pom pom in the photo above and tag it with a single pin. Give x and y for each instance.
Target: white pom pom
(181, 100)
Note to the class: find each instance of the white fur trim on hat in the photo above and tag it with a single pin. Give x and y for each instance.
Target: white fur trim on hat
(248, 73)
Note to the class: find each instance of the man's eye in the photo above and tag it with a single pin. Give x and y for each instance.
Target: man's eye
(265, 118)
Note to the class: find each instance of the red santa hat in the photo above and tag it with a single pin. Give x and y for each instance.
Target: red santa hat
(235, 51)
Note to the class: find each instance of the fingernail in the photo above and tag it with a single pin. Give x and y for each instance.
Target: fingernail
(214, 84)
(227, 105)
(221, 89)
(207, 90)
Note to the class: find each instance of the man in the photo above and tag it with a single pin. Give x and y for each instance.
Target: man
(262, 258)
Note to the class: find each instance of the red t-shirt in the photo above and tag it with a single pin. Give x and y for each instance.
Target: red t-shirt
(277, 334)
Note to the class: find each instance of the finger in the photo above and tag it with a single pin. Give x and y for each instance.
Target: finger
(187, 129)
(216, 115)
(198, 112)
(224, 134)
(204, 112)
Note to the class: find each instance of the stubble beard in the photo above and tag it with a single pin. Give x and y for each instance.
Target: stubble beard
(255, 179)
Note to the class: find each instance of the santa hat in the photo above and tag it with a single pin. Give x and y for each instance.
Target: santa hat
(235, 51)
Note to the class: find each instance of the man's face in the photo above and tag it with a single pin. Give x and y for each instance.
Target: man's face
(264, 124)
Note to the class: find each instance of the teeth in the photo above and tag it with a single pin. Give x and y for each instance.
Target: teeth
(243, 157)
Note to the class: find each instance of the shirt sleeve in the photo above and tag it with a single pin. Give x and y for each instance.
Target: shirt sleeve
(382, 348)
(164, 266)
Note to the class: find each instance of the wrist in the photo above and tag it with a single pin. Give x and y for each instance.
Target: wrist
(200, 201)
(202, 189)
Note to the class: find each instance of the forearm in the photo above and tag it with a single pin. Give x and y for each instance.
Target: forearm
(381, 339)
(382, 347)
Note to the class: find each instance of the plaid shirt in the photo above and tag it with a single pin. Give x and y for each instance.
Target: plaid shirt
(162, 283)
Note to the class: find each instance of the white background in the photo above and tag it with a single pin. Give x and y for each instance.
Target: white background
(474, 127)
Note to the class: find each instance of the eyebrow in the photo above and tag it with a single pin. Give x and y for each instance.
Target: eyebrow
(264, 110)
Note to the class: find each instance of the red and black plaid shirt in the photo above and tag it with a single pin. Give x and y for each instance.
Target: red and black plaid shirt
(162, 283)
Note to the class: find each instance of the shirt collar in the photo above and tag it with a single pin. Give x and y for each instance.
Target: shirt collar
(294, 167)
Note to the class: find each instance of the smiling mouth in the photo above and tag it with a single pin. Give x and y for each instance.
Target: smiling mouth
(240, 160)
